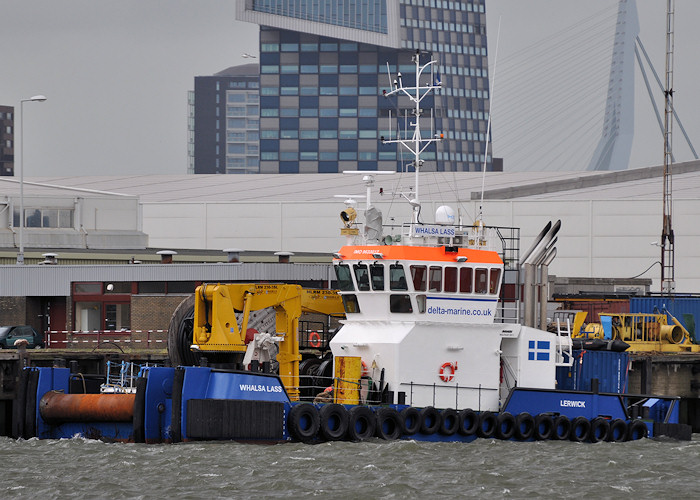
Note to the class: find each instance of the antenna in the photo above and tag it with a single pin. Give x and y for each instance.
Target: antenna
(480, 215)
(416, 144)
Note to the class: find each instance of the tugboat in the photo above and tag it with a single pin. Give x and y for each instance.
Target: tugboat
(424, 353)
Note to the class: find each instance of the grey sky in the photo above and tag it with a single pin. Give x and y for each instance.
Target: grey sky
(116, 72)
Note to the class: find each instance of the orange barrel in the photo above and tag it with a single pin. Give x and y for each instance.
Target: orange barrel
(56, 407)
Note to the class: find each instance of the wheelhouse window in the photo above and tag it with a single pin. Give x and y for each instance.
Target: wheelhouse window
(466, 278)
(419, 275)
(451, 279)
(435, 279)
(397, 277)
(362, 277)
(494, 281)
(481, 281)
(342, 272)
(350, 304)
(376, 272)
(400, 304)
(420, 303)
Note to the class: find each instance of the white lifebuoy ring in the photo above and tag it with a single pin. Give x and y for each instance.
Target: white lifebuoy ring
(447, 371)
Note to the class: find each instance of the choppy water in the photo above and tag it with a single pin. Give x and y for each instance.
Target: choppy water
(80, 468)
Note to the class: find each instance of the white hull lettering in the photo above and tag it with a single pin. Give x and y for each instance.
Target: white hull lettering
(259, 388)
(572, 404)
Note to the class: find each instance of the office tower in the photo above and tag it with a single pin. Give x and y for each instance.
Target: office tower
(324, 63)
(7, 140)
(224, 122)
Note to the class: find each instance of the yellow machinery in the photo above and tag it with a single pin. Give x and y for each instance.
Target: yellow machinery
(643, 332)
(216, 328)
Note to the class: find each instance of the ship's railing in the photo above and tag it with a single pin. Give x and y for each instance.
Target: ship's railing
(564, 345)
(477, 237)
(319, 389)
(89, 340)
(121, 377)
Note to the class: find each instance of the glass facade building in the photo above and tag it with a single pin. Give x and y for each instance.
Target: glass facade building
(224, 121)
(7, 140)
(324, 64)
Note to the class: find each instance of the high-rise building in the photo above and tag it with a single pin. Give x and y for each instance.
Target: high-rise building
(324, 63)
(7, 140)
(224, 122)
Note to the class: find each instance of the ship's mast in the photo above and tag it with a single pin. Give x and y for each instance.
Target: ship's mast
(668, 283)
(416, 144)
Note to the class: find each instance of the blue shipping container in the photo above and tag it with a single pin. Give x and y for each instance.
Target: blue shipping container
(610, 368)
(685, 309)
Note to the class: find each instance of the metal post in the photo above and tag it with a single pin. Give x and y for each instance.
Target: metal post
(37, 98)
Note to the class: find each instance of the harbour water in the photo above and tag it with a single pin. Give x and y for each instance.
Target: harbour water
(81, 468)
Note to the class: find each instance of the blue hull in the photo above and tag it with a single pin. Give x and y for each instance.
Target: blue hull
(197, 403)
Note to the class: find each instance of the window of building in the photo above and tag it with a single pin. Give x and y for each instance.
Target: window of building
(289, 134)
(308, 134)
(45, 218)
(269, 134)
(308, 155)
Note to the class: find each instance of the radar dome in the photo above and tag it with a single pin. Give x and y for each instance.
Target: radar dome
(444, 215)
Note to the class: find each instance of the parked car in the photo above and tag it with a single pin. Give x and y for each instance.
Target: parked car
(9, 335)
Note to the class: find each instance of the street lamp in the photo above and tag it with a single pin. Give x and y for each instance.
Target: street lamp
(37, 98)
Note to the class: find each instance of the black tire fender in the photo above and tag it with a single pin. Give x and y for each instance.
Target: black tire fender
(333, 422)
(580, 429)
(411, 420)
(524, 426)
(562, 428)
(303, 422)
(468, 422)
(637, 430)
(544, 427)
(487, 424)
(505, 426)
(389, 426)
(430, 420)
(618, 431)
(361, 424)
(449, 422)
(600, 430)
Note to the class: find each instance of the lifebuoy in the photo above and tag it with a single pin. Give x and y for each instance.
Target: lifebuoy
(447, 371)
(314, 340)
(365, 370)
